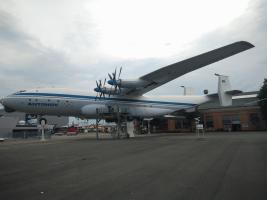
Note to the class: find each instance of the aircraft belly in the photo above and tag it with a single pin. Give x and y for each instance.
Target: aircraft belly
(150, 111)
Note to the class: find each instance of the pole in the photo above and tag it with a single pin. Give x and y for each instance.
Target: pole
(43, 122)
(118, 123)
(42, 138)
(148, 127)
(97, 115)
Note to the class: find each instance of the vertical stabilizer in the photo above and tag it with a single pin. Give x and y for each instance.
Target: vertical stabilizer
(224, 87)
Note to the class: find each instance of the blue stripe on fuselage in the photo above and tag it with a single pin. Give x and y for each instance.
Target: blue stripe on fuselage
(110, 98)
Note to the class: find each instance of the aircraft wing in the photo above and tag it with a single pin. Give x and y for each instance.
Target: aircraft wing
(173, 71)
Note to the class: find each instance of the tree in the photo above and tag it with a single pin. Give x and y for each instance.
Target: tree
(263, 100)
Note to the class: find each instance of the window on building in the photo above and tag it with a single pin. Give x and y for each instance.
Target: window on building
(254, 118)
(209, 122)
(231, 122)
(160, 124)
(186, 123)
(179, 124)
(231, 119)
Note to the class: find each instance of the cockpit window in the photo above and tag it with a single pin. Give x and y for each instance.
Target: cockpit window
(21, 91)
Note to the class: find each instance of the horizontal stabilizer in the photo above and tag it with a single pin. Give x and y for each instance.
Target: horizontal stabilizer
(215, 96)
(233, 92)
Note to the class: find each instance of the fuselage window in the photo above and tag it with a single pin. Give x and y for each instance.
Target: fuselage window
(36, 99)
(30, 99)
(48, 100)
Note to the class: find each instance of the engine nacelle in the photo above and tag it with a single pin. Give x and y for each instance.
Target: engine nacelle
(106, 90)
(128, 83)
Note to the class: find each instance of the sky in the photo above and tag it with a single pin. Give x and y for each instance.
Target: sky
(73, 43)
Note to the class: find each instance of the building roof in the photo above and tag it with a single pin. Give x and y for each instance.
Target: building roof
(245, 99)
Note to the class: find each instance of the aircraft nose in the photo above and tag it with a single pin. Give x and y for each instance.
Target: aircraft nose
(2, 100)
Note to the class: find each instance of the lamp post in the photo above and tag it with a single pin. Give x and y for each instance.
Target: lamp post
(184, 89)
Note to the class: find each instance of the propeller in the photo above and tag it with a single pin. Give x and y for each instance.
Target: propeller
(114, 80)
(103, 88)
(119, 79)
(120, 73)
(98, 89)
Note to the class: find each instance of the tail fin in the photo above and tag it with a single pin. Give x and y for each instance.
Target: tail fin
(224, 90)
(224, 86)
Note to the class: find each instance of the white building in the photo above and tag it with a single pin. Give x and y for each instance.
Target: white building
(9, 121)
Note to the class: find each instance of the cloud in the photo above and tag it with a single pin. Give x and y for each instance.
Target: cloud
(246, 70)
(24, 62)
(42, 45)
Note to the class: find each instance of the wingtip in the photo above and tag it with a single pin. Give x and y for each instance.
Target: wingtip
(246, 44)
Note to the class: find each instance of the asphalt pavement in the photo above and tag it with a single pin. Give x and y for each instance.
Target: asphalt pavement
(216, 166)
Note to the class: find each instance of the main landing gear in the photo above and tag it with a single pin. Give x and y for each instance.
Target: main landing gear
(120, 118)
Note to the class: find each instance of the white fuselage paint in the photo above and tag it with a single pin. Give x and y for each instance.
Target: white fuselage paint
(66, 102)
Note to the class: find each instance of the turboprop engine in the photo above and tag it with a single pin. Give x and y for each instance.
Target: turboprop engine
(118, 83)
(102, 90)
(106, 90)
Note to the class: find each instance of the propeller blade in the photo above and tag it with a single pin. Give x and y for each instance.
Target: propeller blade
(115, 73)
(116, 86)
(110, 76)
(120, 73)
(96, 96)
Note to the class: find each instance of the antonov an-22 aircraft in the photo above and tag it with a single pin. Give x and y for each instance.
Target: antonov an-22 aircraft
(126, 94)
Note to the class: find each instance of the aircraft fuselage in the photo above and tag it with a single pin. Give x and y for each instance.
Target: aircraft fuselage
(62, 102)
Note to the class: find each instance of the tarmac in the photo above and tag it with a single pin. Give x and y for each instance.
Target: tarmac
(174, 166)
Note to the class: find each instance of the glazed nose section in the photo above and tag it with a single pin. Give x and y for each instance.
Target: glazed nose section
(2, 100)
(6, 104)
